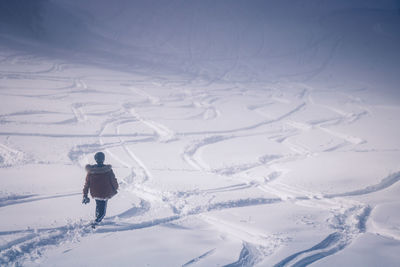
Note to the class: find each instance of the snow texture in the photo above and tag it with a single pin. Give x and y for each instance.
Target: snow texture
(242, 133)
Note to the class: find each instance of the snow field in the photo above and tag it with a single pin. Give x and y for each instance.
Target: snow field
(270, 189)
(274, 143)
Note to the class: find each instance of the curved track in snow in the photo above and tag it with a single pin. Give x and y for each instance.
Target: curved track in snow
(208, 125)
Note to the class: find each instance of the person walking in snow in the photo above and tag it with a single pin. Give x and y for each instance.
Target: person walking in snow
(102, 184)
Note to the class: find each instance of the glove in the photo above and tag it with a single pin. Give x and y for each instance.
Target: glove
(85, 200)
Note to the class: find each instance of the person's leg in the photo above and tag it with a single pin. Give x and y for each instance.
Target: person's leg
(101, 207)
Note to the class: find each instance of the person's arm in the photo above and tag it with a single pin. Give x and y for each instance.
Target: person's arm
(86, 186)
(114, 182)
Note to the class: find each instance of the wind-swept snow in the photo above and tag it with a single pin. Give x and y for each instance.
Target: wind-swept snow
(241, 134)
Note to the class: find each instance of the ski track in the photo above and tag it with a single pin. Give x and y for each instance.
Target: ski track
(348, 217)
(247, 128)
(249, 256)
(38, 240)
(190, 151)
(41, 239)
(16, 200)
(31, 246)
(383, 184)
(202, 256)
(333, 242)
(164, 134)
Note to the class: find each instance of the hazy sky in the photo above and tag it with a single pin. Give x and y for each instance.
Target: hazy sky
(301, 40)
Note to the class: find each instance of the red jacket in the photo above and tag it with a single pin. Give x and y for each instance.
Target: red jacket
(101, 181)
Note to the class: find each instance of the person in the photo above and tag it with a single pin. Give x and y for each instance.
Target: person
(102, 184)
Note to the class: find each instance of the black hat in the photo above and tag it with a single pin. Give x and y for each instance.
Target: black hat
(99, 157)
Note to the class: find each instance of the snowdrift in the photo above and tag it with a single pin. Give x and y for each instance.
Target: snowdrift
(242, 133)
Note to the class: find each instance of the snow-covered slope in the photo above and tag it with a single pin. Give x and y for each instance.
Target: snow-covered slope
(242, 134)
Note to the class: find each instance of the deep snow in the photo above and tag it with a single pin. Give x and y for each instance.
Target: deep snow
(242, 134)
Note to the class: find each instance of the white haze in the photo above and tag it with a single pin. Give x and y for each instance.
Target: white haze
(242, 133)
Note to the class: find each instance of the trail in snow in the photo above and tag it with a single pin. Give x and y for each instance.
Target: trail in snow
(249, 256)
(208, 253)
(16, 200)
(39, 239)
(383, 184)
(331, 244)
(34, 242)
(163, 109)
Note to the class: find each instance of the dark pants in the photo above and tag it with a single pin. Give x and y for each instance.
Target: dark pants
(101, 207)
